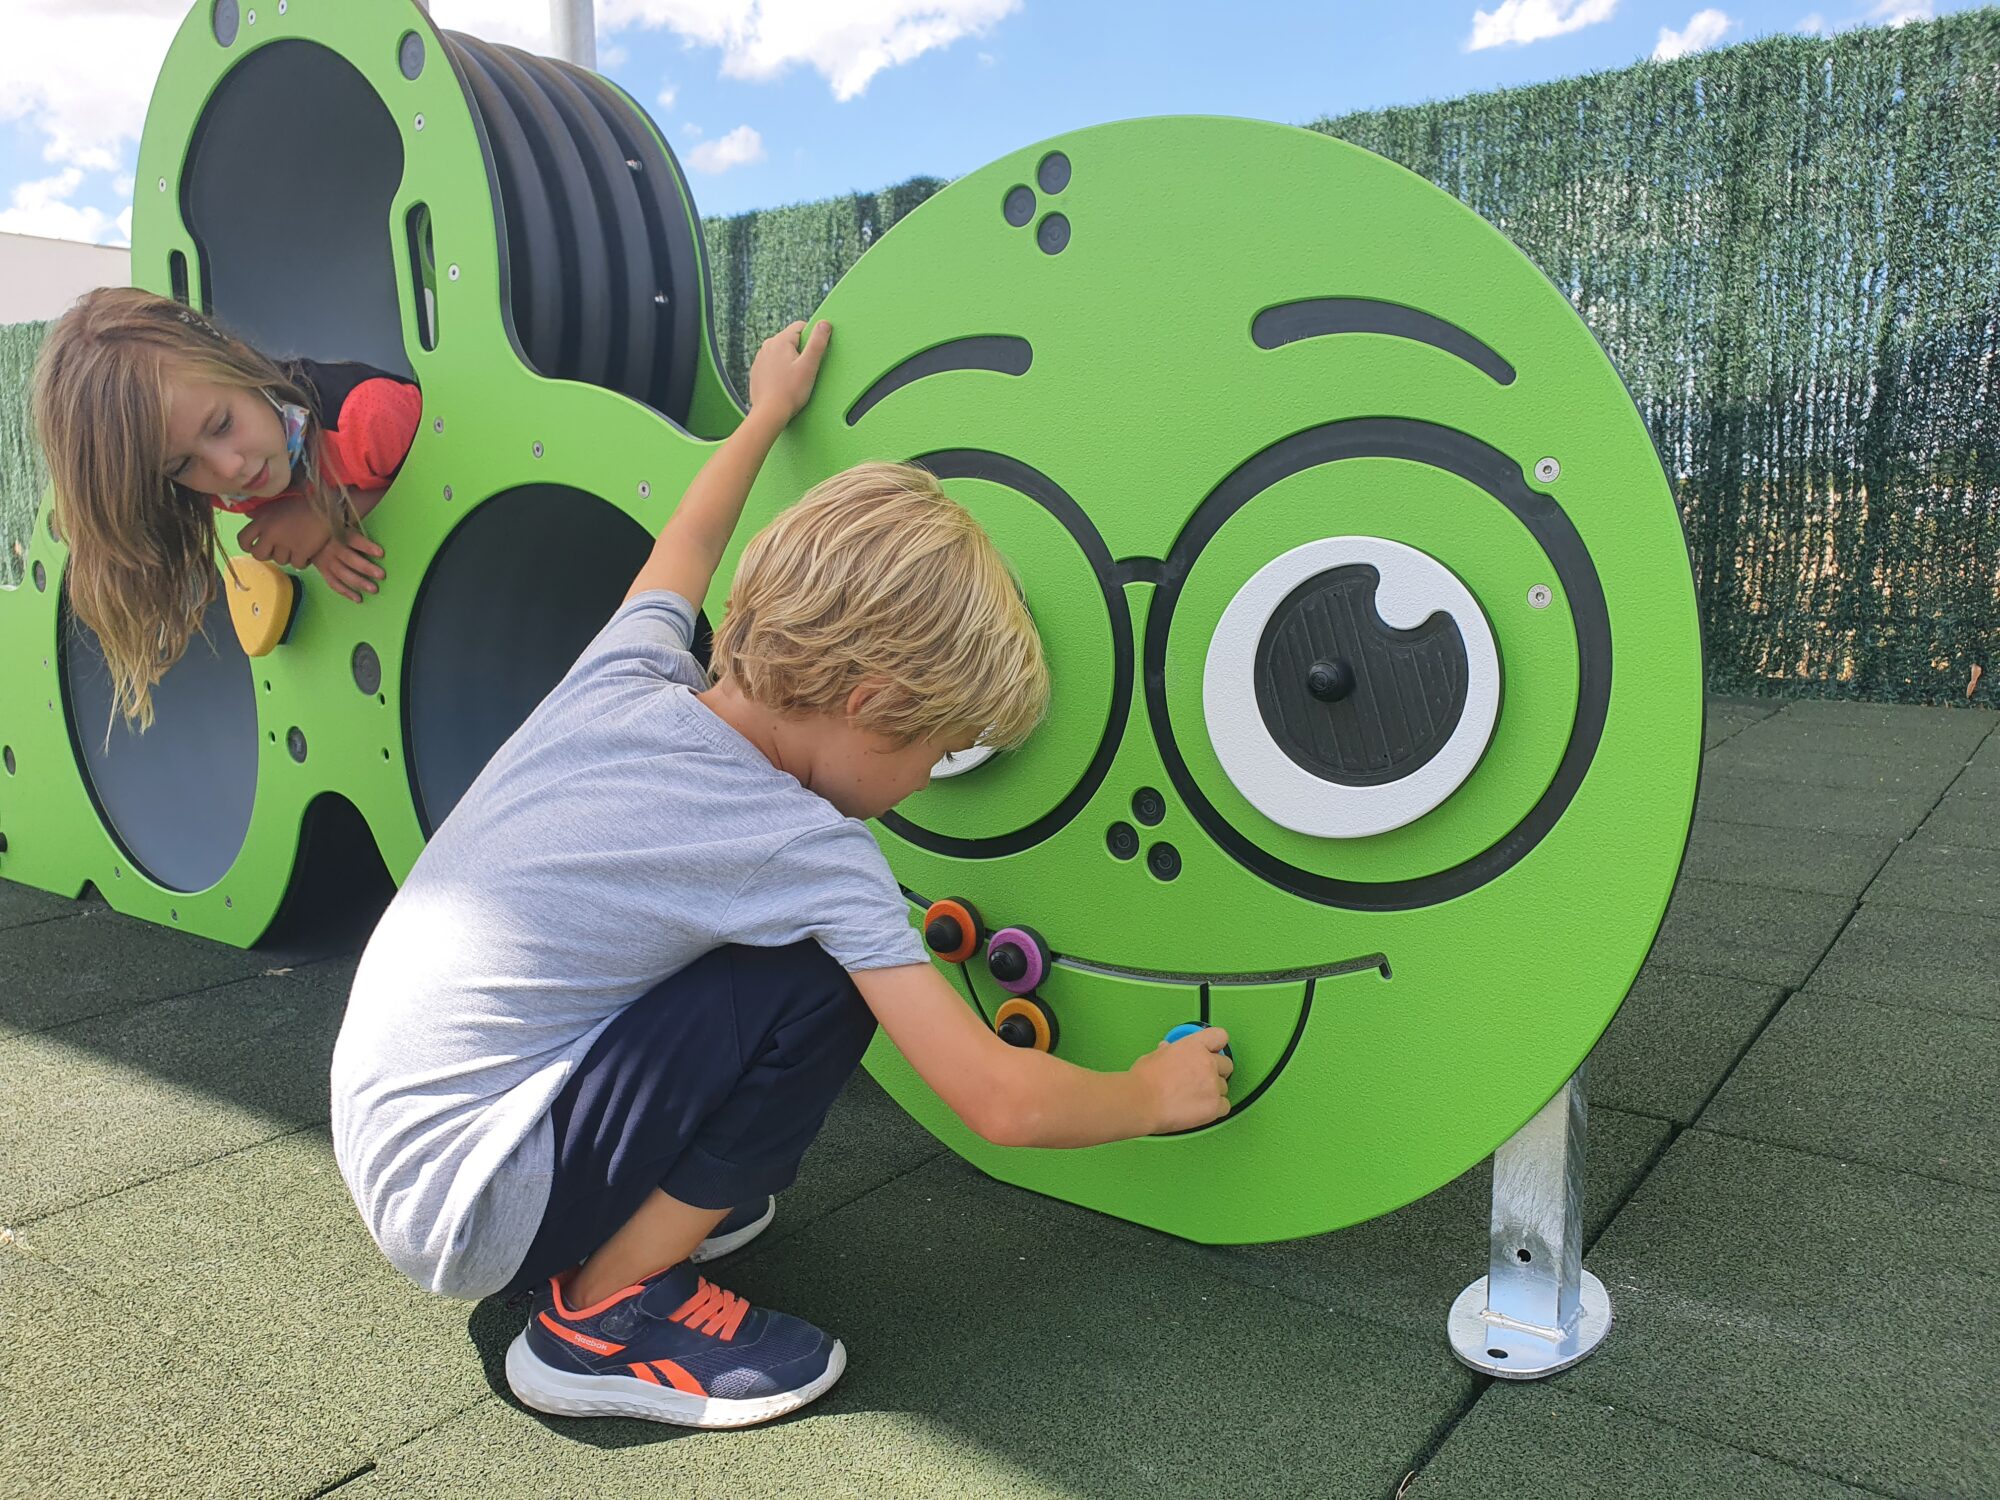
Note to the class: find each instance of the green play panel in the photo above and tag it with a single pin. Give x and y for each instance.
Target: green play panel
(1376, 717)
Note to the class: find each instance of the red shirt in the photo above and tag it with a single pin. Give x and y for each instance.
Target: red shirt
(369, 419)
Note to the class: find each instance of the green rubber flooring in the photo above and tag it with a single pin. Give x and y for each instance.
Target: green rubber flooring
(1792, 1197)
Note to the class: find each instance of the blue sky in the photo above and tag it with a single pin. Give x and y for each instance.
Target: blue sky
(775, 101)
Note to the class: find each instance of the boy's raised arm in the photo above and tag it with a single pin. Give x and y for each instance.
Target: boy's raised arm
(691, 544)
(1016, 1096)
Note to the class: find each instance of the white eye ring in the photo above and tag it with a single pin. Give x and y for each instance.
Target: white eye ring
(961, 761)
(1413, 586)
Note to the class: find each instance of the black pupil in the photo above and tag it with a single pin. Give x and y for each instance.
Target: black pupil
(1008, 962)
(943, 934)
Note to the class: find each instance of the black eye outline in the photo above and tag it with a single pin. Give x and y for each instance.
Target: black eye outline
(998, 468)
(1490, 470)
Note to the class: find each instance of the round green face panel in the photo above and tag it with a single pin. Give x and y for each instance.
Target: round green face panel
(1377, 704)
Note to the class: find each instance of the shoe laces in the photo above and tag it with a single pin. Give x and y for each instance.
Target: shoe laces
(711, 1310)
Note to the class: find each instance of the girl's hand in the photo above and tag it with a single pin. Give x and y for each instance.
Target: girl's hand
(344, 563)
(1188, 1080)
(289, 533)
(782, 375)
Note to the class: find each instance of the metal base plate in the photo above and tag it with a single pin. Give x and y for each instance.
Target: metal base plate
(1515, 1353)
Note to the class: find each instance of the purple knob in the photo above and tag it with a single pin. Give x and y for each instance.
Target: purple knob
(1018, 958)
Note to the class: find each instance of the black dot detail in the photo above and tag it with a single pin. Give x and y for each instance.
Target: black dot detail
(1122, 839)
(225, 21)
(41, 578)
(1053, 236)
(1148, 806)
(1020, 205)
(367, 669)
(1164, 860)
(410, 55)
(1053, 174)
(8, 756)
(295, 741)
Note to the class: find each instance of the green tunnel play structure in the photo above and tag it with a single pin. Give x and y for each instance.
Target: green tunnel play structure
(1377, 708)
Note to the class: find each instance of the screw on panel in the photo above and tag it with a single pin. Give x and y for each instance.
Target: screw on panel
(660, 298)
(1540, 595)
(451, 272)
(634, 165)
(283, 6)
(538, 450)
(251, 18)
(163, 184)
(1548, 470)
(645, 490)
(437, 424)
(447, 492)
(420, 122)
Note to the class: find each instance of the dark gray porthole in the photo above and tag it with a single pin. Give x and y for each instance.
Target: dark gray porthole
(7, 755)
(224, 19)
(337, 136)
(177, 798)
(1053, 235)
(498, 624)
(1053, 173)
(410, 55)
(41, 577)
(295, 742)
(1019, 206)
(367, 669)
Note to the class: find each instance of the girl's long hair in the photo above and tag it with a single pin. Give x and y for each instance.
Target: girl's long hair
(143, 549)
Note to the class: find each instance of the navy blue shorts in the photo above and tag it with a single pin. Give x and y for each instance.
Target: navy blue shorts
(710, 1086)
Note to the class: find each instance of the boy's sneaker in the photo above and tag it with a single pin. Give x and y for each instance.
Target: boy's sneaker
(673, 1348)
(741, 1227)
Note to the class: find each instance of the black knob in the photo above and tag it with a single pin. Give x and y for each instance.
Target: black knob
(943, 934)
(1017, 1031)
(1007, 962)
(1330, 680)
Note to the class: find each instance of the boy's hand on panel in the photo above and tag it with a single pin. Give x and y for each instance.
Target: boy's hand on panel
(782, 375)
(1188, 1080)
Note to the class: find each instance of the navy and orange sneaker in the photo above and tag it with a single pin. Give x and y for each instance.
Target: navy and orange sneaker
(741, 1227)
(672, 1348)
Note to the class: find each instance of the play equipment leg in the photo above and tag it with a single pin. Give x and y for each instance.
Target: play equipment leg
(1536, 1310)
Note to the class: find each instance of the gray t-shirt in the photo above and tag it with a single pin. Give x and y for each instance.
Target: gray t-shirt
(621, 833)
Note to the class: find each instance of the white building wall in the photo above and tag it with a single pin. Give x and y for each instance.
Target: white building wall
(40, 278)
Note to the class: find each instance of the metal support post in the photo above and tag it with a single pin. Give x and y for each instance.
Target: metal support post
(573, 32)
(1536, 1310)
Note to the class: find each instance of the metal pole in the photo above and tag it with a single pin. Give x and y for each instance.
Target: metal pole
(1536, 1310)
(573, 32)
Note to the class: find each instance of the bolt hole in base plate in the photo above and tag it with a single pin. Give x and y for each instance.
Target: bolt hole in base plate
(1515, 1353)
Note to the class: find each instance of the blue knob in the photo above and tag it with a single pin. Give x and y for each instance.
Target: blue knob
(1189, 1028)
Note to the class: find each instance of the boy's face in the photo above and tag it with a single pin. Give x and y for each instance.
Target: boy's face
(864, 774)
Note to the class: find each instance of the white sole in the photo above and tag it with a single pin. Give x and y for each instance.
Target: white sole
(717, 1246)
(563, 1394)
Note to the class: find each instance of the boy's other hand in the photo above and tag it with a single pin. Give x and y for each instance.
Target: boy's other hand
(344, 564)
(782, 375)
(1188, 1080)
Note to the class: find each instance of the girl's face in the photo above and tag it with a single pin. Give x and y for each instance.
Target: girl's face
(225, 440)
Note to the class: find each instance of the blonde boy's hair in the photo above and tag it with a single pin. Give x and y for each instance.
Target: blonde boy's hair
(877, 576)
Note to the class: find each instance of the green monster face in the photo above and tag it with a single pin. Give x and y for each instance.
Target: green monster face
(1377, 681)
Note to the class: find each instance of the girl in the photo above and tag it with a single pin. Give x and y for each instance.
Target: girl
(151, 419)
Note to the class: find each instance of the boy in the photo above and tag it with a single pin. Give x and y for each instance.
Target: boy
(610, 1007)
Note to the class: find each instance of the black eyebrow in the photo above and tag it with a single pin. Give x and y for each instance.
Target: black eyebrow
(1003, 354)
(1315, 317)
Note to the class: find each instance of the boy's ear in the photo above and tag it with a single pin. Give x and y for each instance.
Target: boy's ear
(858, 698)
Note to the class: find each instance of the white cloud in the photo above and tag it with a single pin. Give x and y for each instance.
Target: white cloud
(514, 23)
(738, 148)
(42, 207)
(847, 42)
(1518, 22)
(666, 96)
(1704, 29)
(1901, 12)
(80, 72)
(1814, 25)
